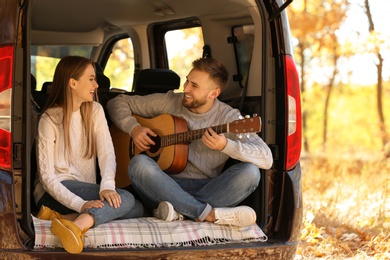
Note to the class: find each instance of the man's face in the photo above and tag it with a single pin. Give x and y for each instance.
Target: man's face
(199, 92)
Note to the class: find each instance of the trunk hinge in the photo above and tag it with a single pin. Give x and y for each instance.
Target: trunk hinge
(279, 10)
(17, 155)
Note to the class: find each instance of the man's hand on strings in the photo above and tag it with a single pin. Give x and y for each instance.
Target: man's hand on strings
(141, 137)
(213, 140)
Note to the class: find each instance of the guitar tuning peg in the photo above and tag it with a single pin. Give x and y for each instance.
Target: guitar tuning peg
(254, 115)
(241, 117)
(239, 136)
(247, 116)
(247, 135)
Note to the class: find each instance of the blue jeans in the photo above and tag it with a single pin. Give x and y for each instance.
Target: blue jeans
(191, 197)
(130, 207)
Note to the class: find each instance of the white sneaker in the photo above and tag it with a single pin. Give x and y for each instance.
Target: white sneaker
(166, 212)
(241, 216)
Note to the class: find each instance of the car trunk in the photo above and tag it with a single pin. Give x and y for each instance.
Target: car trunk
(269, 198)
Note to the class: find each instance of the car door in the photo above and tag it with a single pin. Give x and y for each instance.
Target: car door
(13, 138)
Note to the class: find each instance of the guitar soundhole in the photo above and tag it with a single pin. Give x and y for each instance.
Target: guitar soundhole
(155, 148)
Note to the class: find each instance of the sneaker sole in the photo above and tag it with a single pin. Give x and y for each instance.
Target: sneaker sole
(163, 210)
(253, 216)
(67, 243)
(244, 223)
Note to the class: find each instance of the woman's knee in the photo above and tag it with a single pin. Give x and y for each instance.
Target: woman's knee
(126, 197)
(131, 207)
(138, 209)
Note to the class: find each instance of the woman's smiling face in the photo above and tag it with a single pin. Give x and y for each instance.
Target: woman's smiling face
(83, 89)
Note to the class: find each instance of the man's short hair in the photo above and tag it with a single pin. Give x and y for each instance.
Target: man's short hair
(216, 69)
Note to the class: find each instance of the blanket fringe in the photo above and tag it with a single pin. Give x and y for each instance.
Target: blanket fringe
(206, 241)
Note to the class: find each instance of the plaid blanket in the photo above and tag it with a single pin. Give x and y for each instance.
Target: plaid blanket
(151, 232)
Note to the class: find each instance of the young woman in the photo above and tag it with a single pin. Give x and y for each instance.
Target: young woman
(72, 134)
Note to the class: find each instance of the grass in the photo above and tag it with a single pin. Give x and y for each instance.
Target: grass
(346, 208)
(346, 183)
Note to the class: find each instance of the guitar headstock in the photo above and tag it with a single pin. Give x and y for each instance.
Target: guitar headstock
(245, 126)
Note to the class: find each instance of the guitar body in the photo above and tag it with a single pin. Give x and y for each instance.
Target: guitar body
(121, 142)
(171, 159)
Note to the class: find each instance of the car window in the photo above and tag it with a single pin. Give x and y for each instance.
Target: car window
(44, 60)
(183, 46)
(120, 65)
(243, 44)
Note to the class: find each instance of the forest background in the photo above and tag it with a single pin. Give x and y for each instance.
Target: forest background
(342, 50)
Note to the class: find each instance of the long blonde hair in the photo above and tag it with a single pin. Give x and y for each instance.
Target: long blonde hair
(61, 96)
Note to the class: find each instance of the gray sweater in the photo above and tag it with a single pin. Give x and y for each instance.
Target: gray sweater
(203, 162)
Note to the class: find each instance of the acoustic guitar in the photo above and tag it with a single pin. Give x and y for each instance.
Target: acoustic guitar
(171, 143)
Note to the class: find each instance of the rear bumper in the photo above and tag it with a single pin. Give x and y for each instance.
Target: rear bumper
(296, 183)
(232, 251)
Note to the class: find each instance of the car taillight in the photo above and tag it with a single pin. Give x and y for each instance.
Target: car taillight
(294, 134)
(6, 67)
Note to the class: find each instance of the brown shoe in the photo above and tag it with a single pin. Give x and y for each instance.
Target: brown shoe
(46, 213)
(71, 235)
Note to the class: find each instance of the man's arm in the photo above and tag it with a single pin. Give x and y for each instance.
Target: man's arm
(255, 151)
(122, 107)
(248, 147)
(120, 112)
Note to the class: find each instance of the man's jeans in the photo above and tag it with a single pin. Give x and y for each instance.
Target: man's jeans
(130, 208)
(191, 197)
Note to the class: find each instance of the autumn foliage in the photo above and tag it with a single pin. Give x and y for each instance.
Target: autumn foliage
(346, 158)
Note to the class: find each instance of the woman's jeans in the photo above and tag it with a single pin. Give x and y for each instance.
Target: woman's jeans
(130, 207)
(191, 197)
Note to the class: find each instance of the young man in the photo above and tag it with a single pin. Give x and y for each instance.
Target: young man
(202, 191)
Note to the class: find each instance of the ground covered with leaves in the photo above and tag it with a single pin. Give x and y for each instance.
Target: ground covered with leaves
(346, 208)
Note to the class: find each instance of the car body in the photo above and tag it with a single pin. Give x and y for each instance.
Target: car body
(251, 37)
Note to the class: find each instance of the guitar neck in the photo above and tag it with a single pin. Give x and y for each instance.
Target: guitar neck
(188, 137)
(243, 126)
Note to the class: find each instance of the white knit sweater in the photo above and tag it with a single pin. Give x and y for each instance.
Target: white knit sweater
(53, 166)
(202, 161)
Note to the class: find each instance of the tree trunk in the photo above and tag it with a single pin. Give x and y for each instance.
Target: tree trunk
(379, 94)
(379, 86)
(329, 89)
(303, 87)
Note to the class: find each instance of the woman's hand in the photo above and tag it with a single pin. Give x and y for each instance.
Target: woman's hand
(92, 204)
(112, 197)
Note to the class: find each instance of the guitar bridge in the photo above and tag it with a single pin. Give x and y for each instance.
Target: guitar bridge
(131, 149)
